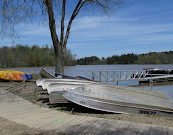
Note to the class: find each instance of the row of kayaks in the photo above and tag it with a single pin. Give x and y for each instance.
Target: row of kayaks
(15, 76)
(109, 98)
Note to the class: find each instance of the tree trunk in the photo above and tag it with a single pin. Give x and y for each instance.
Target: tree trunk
(59, 68)
(59, 60)
(58, 48)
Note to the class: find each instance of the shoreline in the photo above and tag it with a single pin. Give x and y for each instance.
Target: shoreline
(29, 91)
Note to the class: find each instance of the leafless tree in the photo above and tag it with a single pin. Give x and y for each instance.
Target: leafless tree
(14, 12)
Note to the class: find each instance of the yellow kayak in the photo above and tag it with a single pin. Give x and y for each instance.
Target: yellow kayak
(15, 75)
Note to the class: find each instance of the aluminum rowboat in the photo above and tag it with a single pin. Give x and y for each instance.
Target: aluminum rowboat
(64, 86)
(121, 99)
(56, 90)
(45, 83)
(39, 82)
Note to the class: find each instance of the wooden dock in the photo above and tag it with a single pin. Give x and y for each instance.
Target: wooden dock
(21, 111)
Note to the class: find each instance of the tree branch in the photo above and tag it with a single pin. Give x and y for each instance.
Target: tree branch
(106, 5)
(52, 26)
(74, 14)
(62, 21)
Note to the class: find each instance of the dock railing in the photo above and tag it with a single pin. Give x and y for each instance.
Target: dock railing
(128, 75)
(118, 75)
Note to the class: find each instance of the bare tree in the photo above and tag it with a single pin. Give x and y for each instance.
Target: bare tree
(15, 11)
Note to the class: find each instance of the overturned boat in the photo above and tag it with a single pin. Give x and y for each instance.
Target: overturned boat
(64, 86)
(56, 90)
(122, 99)
(40, 82)
(45, 83)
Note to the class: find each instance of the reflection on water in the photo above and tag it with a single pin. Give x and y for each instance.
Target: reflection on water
(85, 71)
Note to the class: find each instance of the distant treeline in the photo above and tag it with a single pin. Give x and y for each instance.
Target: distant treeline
(149, 58)
(35, 56)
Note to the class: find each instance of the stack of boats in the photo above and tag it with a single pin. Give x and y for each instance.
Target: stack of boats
(108, 98)
(57, 87)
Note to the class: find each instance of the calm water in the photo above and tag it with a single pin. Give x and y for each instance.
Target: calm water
(85, 71)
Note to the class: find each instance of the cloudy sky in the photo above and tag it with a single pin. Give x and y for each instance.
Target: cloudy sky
(138, 26)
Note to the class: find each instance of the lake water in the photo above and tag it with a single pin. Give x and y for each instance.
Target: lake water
(85, 71)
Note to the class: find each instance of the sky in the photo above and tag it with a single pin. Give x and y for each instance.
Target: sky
(137, 26)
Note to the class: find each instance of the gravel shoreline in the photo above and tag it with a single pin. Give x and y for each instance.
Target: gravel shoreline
(29, 91)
